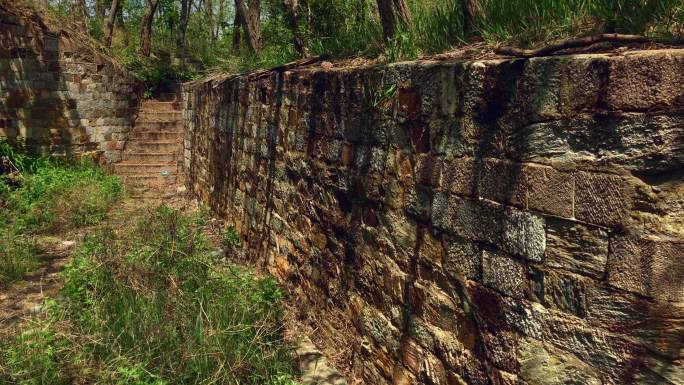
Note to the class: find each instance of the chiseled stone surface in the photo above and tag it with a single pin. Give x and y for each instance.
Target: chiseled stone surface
(487, 222)
(58, 95)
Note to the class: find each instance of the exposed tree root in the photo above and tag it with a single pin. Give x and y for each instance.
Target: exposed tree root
(583, 42)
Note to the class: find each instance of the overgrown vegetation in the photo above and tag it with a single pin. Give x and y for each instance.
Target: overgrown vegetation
(215, 38)
(148, 305)
(40, 196)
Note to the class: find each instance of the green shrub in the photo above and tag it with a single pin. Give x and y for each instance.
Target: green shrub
(61, 195)
(156, 73)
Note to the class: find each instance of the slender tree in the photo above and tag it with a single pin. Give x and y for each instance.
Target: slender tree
(292, 18)
(146, 28)
(221, 18)
(111, 19)
(186, 6)
(209, 9)
(472, 13)
(100, 7)
(250, 18)
(237, 22)
(83, 10)
(392, 14)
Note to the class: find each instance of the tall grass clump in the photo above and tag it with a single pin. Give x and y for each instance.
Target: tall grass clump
(151, 305)
(438, 25)
(42, 196)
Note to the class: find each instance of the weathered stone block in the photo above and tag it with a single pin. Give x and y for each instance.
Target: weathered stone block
(538, 90)
(523, 234)
(431, 249)
(504, 274)
(647, 267)
(544, 365)
(581, 82)
(428, 170)
(459, 175)
(418, 202)
(645, 81)
(654, 325)
(463, 259)
(467, 218)
(549, 190)
(557, 291)
(502, 181)
(576, 247)
(601, 199)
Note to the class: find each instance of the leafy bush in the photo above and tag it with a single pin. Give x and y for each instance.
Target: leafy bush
(152, 306)
(61, 195)
(157, 73)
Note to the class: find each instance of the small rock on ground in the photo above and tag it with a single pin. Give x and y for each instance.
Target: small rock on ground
(315, 368)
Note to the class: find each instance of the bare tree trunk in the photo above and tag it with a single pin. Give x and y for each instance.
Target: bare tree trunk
(186, 5)
(100, 10)
(146, 29)
(292, 18)
(221, 17)
(109, 27)
(209, 9)
(236, 29)
(251, 22)
(83, 10)
(472, 13)
(393, 13)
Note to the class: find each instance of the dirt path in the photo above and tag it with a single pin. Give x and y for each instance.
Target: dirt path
(25, 298)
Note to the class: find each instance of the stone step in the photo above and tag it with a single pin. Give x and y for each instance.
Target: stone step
(147, 181)
(158, 126)
(152, 169)
(159, 116)
(156, 136)
(149, 157)
(153, 146)
(168, 97)
(156, 105)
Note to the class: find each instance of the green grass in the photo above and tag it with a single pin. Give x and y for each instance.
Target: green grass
(46, 197)
(150, 305)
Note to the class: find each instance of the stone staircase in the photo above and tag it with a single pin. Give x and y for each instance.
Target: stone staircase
(151, 161)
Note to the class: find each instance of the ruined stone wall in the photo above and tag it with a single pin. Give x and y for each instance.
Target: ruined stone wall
(486, 222)
(59, 95)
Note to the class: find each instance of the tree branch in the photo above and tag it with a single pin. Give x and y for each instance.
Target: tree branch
(583, 42)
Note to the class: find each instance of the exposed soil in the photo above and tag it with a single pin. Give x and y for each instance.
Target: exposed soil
(25, 298)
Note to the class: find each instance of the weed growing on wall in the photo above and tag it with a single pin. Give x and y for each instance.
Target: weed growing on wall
(148, 304)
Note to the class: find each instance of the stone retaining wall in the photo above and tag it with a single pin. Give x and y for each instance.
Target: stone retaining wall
(486, 222)
(59, 95)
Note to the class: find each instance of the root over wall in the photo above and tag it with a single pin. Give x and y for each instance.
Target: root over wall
(486, 222)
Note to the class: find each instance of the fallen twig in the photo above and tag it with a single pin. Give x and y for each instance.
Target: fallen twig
(583, 42)
(286, 67)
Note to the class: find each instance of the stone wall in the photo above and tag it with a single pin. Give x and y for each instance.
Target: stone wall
(484, 222)
(58, 94)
